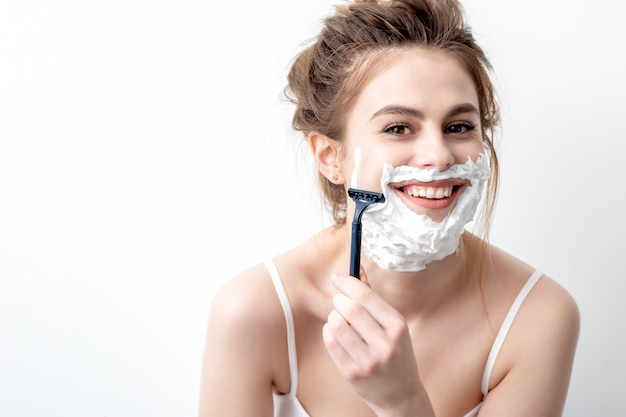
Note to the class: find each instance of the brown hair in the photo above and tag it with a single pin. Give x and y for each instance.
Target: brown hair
(326, 77)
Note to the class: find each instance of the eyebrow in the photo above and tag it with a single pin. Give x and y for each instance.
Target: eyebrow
(408, 111)
(463, 108)
(394, 109)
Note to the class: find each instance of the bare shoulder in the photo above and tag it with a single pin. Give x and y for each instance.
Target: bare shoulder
(552, 316)
(554, 303)
(244, 345)
(250, 298)
(247, 303)
(538, 354)
(548, 299)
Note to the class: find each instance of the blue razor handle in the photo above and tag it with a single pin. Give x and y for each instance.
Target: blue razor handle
(362, 199)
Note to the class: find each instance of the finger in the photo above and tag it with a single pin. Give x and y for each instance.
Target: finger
(336, 338)
(360, 320)
(352, 355)
(361, 293)
(345, 334)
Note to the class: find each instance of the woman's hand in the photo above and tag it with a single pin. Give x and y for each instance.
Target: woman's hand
(370, 344)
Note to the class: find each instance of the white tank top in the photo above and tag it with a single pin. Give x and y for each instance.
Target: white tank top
(288, 405)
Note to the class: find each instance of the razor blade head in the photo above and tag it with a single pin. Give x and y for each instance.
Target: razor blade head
(367, 197)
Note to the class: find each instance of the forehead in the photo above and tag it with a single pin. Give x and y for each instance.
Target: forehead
(416, 77)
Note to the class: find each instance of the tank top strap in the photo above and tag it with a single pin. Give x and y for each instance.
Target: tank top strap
(504, 329)
(291, 336)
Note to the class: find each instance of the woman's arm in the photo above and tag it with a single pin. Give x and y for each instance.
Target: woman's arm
(238, 364)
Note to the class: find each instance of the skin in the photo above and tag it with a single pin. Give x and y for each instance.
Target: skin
(394, 343)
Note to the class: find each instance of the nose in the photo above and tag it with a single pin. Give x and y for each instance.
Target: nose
(432, 151)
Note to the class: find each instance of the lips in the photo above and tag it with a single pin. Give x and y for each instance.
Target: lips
(435, 194)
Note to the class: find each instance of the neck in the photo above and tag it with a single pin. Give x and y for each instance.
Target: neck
(424, 292)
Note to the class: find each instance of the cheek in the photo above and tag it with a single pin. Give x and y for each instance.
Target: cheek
(472, 148)
(476, 149)
(366, 167)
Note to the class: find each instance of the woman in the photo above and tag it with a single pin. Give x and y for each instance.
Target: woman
(394, 97)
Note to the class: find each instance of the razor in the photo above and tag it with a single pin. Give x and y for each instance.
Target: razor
(362, 199)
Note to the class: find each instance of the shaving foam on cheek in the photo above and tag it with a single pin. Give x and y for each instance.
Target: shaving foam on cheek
(354, 183)
(398, 239)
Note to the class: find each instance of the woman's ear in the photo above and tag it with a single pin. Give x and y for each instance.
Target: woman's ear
(327, 154)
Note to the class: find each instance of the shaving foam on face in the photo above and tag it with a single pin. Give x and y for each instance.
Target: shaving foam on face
(357, 166)
(398, 239)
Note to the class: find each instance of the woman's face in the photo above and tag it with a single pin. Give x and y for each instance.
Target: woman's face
(421, 111)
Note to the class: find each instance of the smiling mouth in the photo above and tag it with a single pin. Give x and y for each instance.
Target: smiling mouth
(430, 193)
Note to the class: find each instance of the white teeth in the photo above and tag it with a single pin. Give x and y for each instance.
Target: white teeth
(429, 192)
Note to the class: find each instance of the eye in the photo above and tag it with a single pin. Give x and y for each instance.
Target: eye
(460, 128)
(398, 129)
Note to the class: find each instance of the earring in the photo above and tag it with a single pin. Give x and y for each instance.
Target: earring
(335, 177)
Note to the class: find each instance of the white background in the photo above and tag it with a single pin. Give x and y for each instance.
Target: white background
(146, 157)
